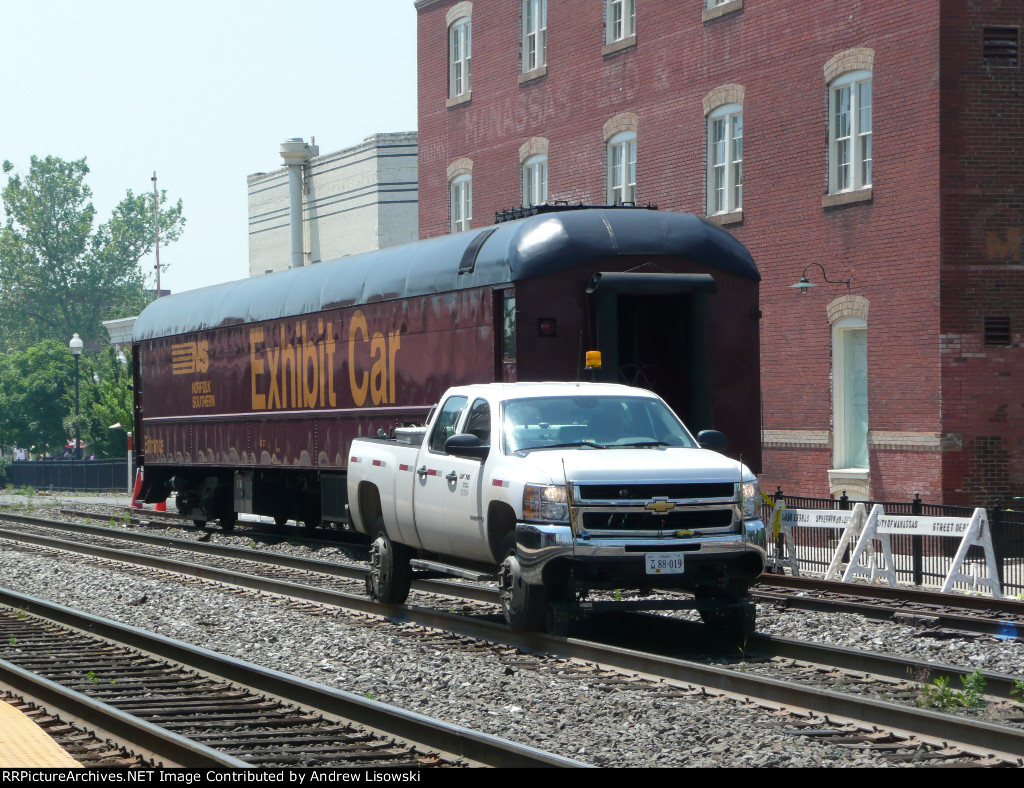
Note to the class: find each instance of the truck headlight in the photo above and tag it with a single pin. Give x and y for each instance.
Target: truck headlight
(545, 503)
(750, 494)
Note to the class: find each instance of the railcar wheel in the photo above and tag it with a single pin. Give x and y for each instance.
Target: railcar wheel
(199, 523)
(523, 605)
(390, 574)
(228, 520)
(280, 520)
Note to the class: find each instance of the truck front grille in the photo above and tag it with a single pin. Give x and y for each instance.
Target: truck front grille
(694, 520)
(645, 492)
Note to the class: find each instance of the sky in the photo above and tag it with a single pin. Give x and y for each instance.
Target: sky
(202, 93)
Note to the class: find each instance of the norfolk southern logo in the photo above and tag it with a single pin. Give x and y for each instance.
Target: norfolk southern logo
(190, 357)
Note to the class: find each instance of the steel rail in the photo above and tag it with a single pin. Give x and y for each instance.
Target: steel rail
(344, 570)
(148, 740)
(939, 727)
(426, 732)
(986, 604)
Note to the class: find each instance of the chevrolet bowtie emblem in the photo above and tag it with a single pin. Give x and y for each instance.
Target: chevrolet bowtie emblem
(659, 505)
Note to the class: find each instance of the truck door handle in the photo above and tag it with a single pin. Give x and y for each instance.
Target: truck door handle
(452, 477)
(422, 471)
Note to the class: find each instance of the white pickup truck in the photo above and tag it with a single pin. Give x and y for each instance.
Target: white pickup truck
(560, 489)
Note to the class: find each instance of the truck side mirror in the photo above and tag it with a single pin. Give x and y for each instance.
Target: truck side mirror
(466, 445)
(712, 439)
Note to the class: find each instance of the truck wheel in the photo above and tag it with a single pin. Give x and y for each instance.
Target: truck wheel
(390, 574)
(735, 616)
(523, 605)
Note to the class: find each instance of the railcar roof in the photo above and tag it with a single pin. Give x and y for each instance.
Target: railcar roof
(512, 251)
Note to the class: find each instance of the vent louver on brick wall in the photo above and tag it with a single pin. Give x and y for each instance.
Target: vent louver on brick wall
(997, 332)
(1001, 46)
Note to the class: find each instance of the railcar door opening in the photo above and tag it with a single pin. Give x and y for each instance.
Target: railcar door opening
(652, 333)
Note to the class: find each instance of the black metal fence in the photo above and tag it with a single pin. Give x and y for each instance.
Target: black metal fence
(72, 475)
(919, 560)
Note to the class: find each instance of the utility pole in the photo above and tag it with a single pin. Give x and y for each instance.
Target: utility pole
(156, 229)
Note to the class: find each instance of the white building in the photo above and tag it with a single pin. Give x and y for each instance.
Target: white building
(355, 200)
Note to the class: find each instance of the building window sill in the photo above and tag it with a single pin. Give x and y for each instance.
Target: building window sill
(846, 198)
(618, 46)
(456, 101)
(733, 217)
(855, 482)
(530, 76)
(717, 12)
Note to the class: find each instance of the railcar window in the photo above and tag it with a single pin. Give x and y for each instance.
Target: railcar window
(598, 421)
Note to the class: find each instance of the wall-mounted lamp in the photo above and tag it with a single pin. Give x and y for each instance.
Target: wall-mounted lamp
(804, 284)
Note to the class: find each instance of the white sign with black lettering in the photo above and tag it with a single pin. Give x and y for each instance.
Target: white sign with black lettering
(816, 518)
(923, 526)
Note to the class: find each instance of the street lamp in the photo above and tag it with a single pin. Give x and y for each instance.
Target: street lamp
(76, 345)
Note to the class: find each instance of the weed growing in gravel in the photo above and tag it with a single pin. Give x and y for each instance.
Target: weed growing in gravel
(91, 675)
(21, 614)
(973, 696)
(1017, 693)
(937, 694)
(940, 696)
(12, 642)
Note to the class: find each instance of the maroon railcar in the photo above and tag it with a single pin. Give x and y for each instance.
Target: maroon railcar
(248, 394)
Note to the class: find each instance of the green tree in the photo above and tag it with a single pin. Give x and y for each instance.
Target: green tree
(60, 275)
(105, 399)
(37, 392)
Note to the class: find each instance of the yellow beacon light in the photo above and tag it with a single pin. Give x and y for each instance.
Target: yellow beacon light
(593, 359)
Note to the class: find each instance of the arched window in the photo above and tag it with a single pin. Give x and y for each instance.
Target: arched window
(850, 393)
(461, 202)
(725, 159)
(535, 180)
(535, 35)
(849, 132)
(622, 168)
(460, 50)
(619, 20)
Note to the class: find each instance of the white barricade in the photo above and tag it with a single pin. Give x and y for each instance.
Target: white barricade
(850, 521)
(971, 531)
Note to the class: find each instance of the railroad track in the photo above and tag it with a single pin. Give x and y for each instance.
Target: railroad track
(184, 706)
(775, 686)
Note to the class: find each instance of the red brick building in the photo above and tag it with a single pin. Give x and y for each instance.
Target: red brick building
(882, 141)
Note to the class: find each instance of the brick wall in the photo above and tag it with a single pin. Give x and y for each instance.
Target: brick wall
(983, 265)
(891, 244)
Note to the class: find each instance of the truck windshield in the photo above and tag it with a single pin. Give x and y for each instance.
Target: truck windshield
(600, 422)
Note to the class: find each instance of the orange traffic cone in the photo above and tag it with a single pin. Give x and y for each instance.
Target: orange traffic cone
(138, 489)
(161, 506)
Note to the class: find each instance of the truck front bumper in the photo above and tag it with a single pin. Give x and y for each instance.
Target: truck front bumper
(542, 546)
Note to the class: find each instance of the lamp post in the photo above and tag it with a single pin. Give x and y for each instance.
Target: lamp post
(76, 345)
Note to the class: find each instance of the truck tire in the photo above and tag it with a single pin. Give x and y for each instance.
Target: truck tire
(390, 574)
(523, 605)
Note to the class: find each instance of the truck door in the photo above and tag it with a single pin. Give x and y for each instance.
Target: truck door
(463, 518)
(431, 488)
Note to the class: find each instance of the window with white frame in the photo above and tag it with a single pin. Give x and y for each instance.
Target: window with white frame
(620, 20)
(725, 159)
(535, 180)
(460, 50)
(461, 203)
(850, 393)
(849, 132)
(535, 34)
(622, 168)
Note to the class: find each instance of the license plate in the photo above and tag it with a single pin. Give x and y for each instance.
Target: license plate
(664, 563)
